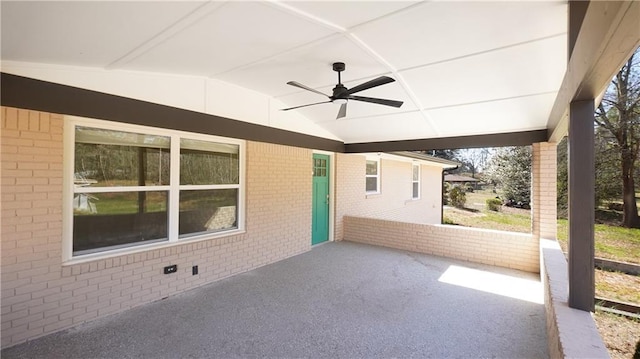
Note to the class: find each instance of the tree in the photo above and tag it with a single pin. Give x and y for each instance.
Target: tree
(452, 155)
(608, 181)
(619, 114)
(510, 167)
(562, 196)
(475, 159)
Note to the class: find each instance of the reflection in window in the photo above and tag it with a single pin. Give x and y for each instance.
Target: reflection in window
(105, 158)
(415, 180)
(208, 211)
(116, 219)
(203, 163)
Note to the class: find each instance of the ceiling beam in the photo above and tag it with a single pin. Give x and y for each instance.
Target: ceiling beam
(608, 34)
(524, 138)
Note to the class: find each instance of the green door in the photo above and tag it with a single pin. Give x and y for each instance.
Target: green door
(320, 216)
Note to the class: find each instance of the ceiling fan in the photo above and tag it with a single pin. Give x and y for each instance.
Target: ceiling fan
(341, 94)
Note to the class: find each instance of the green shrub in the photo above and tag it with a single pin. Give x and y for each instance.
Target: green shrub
(457, 197)
(445, 193)
(494, 204)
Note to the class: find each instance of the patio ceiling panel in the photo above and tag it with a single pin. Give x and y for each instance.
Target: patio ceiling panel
(348, 14)
(309, 65)
(82, 33)
(233, 35)
(365, 129)
(443, 31)
(475, 79)
(509, 115)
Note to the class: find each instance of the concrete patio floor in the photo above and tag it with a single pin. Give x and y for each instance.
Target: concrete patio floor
(340, 300)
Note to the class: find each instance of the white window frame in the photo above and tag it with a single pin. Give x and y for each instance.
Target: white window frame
(414, 181)
(377, 175)
(173, 189)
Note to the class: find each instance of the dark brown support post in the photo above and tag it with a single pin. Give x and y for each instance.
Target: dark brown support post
(581, 205)
(576, 13)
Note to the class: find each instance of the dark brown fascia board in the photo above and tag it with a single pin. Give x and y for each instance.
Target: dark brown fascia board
(32, 94)
(524, 138)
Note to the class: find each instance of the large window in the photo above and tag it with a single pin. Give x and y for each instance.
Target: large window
(415, 180)
(131, 186)
(372, 175)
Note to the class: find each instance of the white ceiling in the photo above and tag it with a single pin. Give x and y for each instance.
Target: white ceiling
(462, 68)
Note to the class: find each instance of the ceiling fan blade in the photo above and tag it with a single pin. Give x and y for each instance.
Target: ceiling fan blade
(379, 101)
(299, 85)
(309, 104)
(369, 84)
(343, 111)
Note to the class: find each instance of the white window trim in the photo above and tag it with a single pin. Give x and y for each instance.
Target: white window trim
(414, 165)
(377, 175)
(70, 123)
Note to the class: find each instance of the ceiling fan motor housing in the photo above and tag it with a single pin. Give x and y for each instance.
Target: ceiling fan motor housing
(339, 92)
(338, 66)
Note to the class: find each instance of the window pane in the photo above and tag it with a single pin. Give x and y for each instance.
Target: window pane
(105, 158)
(416, 190)
(372, 167)
(204, 163)
(102, 220)
(208, 211)
(416, 173)
(372, 184)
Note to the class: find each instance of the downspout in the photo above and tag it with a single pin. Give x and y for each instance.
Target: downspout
(442, 193)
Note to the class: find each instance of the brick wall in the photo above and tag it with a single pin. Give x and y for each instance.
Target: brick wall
(571, 333)
(41, 295)
(498, 248)
(394, 201)
(544, 190)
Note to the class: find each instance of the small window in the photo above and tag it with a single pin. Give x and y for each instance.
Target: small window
(373, 176)
(416, 182)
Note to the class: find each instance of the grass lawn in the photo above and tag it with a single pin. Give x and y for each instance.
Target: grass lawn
(616, 243)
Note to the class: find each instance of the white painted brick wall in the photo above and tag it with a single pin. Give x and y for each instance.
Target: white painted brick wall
(394, 201)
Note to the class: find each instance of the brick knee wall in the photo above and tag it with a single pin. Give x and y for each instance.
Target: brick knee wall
(499, 248)
(571, 333)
